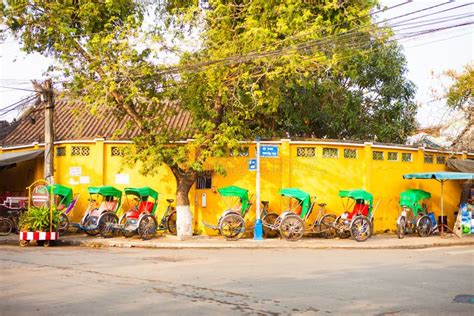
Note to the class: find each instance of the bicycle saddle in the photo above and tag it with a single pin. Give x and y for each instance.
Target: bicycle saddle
(265, 203)
(169, 200)
(322, 204)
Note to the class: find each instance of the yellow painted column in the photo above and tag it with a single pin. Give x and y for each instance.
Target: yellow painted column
(285, 163)
(419, 163)
(99, 164)
(367, 166)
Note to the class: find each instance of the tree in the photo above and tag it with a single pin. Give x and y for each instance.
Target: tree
(370, 98)
(250, 54)
(460, 95)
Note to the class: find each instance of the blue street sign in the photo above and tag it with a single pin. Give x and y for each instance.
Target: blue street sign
(269, 151)
(252, 164)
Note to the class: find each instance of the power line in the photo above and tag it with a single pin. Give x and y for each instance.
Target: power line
(16, 88)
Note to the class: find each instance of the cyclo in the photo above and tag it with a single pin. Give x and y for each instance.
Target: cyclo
(99, 217)
(292, 222)
(231, 224)
(358, 222)
(141, 216)
(65, 201)
(414, 216)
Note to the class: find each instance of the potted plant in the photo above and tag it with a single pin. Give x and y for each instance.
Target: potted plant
(39, 223)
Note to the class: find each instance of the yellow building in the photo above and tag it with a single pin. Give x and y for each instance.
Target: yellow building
(86, 154)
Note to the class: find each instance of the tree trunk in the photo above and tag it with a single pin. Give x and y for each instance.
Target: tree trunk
(184, 218)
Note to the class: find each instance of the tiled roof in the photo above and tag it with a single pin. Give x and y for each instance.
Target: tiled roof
(73, 121)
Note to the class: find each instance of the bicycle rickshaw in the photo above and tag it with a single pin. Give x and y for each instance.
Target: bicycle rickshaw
(65, 202)
(414, 216)
(100, 217)
(231, 224)
(356, 220)
(10, 210)
(141, 216)
(292, 222)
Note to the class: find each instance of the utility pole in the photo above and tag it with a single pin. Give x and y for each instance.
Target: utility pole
(47, 98)
(258, 228)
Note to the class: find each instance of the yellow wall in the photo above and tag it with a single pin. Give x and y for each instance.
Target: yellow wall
(321, 177)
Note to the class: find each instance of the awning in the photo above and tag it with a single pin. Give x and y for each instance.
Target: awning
(441, 175)
(460, 165)
(12, 158)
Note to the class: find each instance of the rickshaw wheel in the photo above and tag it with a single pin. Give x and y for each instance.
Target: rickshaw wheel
(401, 227)
(292, 228)
(270, 220)
(327, 226)
(232, 227)
(361, 228)
(91, 221)
(127, 233)
(171, 223)
(6, 226)
(424, 226)
(106, 223)
(63, 224)
(147, 227)
(341, 230)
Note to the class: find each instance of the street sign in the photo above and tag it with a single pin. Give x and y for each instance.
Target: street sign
(269, 151)
(252, 164)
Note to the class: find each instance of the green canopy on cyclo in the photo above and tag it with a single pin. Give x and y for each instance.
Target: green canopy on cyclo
(142, 192)
(233, 190)
(303, 198)
(105, 191)
(358, 194)
(64, 192)
(411, 198)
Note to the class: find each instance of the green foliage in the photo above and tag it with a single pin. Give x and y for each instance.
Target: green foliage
(461, 92)
(38, 219)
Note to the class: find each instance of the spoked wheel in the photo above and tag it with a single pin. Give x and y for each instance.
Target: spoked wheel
(91, 221)
(6, 226)
(292, 228)
(147, 227)
(125, 223)
(63, 224)
(171, 223)
(342, 230)
(401, 227)
(106, 224)
(327, 226)
(361, 228)
(424, 226)
(232, 227)
(269, 220)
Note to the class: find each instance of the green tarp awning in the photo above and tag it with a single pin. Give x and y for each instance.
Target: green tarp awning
(303, 197)
(105, 191)
(144, 191)
(441, 175)
(236, 191)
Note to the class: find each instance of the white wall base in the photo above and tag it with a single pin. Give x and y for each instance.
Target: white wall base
(184, 221)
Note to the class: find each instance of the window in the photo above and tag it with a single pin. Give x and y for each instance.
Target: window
(116, 152)
(61, 151)
(350, 153)
(330, 152)
(240, 152)
(306, 152)
(440, 160)
(377, 155)
(80, 151)
(429, 158)
(392, 156)
(406, 157)
(204, 181)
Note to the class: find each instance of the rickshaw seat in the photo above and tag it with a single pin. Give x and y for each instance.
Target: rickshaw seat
(265, 203)
(145, 206)
(362, 209)
(108, 206)
(169, 200)
(133, 214)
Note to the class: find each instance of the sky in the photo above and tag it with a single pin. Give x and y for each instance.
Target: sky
(427, 57)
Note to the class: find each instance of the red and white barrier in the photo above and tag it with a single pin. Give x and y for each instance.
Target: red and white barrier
(39, 235)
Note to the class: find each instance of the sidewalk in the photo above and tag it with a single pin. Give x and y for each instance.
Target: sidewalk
(384, 241)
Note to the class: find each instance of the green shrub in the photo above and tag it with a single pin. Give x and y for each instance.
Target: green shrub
(37, 219)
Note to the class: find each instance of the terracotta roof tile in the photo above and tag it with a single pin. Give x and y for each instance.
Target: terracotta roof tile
(73, 121)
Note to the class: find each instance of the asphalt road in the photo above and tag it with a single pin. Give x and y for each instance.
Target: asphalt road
(116, 281)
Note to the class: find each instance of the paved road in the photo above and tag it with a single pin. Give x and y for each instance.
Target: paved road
(92, 281)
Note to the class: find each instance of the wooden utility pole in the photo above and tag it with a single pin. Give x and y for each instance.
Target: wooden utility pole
(47, 98)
